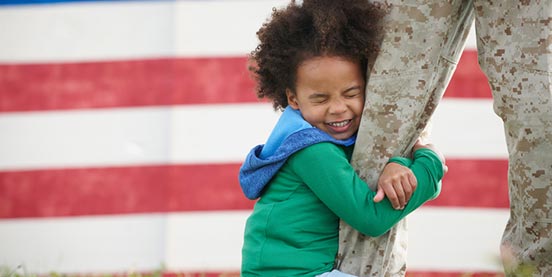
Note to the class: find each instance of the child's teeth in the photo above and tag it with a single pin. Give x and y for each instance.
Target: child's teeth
(339, 124)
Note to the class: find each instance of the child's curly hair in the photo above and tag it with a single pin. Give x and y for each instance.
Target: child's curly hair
(345, 28)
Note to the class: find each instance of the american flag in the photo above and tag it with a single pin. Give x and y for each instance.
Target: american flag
(123, 125)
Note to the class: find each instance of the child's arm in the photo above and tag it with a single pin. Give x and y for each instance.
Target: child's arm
(420, 145)
(325, 169)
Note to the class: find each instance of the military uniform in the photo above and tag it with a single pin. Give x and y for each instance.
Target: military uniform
(422, 45)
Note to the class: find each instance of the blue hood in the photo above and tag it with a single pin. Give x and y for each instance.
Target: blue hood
(291, 134)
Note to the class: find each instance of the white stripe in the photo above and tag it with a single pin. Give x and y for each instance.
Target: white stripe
(455, 239)
(84, 138)
(471, 40)
(220, 28)
(199, 134)
(440, 239)
(212, 244)
(86, 31)
(220, 133)
(84, 244)
(115, 30)
(468, 128)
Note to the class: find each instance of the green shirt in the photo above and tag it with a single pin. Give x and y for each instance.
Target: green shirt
(293, 230)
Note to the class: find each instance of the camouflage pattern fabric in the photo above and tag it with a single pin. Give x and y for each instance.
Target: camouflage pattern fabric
(421, 47)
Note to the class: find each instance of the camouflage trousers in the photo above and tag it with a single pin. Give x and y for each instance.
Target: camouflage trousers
(423, 42)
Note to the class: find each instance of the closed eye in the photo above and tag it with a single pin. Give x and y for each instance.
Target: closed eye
(353, 92)
(352, 95)
(318, 98)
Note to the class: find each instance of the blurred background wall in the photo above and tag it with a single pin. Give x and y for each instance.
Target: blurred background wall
(123, 125)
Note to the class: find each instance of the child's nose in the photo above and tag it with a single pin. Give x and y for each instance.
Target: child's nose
(338, 106)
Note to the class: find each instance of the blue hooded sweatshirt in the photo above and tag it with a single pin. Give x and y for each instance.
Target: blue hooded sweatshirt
(291, 134)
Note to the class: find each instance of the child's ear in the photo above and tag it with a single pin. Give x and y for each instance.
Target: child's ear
(292, 99)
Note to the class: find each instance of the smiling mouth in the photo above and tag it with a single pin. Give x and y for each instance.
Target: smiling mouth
(340, 123)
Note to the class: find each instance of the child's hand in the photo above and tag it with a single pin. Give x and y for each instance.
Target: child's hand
(397, 182)
(419, 145)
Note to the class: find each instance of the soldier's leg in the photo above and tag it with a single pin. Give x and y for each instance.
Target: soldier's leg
(423, 42)
(515, 52)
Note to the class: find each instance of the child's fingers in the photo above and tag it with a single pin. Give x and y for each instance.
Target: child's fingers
(413, 181)
(379, 195)
(401, 196)
(396, 184)
(392, 196)
(407, 189)
(409, 183)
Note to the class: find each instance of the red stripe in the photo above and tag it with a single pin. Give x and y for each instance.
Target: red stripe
(121, 190)
(124, 84)
(468, 80)
(91, 191)
(32, 87)
(475, 183)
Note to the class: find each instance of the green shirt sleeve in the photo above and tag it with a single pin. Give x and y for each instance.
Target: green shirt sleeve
(325, 169)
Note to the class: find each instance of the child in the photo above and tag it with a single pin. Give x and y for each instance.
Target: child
(311, 62)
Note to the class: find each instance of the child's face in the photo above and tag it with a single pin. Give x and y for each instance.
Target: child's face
(330, 95)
